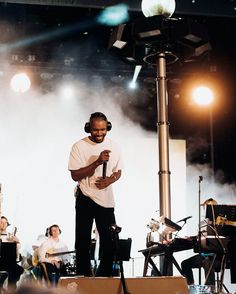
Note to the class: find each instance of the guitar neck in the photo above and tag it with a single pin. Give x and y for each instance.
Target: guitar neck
(59, 253)
(223, 221)
(230, 223)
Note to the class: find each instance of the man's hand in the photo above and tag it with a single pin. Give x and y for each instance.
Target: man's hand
(104, 156)
(13, 238)
(88, 171)
(103, 183)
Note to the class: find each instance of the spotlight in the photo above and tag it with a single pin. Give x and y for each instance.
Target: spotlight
(20, 83)
(67, 91)
(139, 41)
(14, 57)
(117, 37)
(46, 76)
(31, 58)
(133, 83)
(158, 7)
(203, 95)
(193, 39)
(114, 15)
(68, 61)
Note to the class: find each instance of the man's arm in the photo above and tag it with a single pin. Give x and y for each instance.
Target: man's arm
(89, 170)
(115, 176)
(84, 172)
(103, 183)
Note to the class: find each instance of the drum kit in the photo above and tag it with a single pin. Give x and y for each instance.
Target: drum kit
(71, 265)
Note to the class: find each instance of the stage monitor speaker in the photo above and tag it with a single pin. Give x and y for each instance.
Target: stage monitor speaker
(140, 285)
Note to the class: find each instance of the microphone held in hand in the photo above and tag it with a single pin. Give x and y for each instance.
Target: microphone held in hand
(104, 169)
(200, 179)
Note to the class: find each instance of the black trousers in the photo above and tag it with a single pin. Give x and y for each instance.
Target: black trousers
(194, 262)
(86, 212)
(50, 272)
(14, 272)
(232, 259)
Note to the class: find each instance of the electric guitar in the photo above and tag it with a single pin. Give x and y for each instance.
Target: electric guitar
(35, 257)
(221, 220)
(58, 253)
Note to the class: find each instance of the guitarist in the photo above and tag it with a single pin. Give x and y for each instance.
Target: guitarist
(52, 255)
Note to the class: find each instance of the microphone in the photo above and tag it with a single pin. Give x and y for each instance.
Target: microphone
(104, 169)
(115, 229)
(184, 219)
(200, 179)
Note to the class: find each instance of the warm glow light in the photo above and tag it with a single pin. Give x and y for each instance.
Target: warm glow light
(20, 83)
(158, 7)
(203, 95)
(67, 91)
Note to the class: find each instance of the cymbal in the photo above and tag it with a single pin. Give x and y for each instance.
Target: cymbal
(209, 201)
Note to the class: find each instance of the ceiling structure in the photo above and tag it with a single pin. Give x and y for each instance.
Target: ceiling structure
(201, 7)
(57, 39)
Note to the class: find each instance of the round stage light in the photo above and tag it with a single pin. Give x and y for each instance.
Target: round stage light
(203, 95)
(20, 83)
(158, 7)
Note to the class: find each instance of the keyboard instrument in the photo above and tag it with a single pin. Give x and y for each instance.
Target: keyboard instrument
(177, 244)
(167, 250)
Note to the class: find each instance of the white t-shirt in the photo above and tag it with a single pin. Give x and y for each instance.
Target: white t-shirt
(83, 153)
(52, 246)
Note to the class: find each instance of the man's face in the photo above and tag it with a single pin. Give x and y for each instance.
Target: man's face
(55, 232)
(3, 224)
(98, 130)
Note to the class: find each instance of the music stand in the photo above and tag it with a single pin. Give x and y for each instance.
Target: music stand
(115, 230)
(7, 259)
(8, 255)
(124, 250)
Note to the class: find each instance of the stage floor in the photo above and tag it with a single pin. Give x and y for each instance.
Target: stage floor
(140, 285)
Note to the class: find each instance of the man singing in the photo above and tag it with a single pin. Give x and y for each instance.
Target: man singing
(95, 163)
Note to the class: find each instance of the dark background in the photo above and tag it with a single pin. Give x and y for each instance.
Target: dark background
(63, 25)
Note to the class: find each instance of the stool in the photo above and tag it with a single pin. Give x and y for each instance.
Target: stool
(3, 276)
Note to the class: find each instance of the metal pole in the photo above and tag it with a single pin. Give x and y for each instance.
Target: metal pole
(212, 144)
(163, 137)
(199, 231)
(163, 143)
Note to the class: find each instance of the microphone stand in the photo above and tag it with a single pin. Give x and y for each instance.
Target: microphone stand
(199, 228)
(115, 230)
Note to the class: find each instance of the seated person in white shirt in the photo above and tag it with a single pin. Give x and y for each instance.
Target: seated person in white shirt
(13, 269)
(52, 255)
